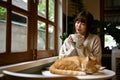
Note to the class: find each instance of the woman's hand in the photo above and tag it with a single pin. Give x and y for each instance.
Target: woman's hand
(80, 40)
(70, 37)
(77, 38)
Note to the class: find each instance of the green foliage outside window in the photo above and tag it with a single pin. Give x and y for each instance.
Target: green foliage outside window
(42, 10)
(2, 12)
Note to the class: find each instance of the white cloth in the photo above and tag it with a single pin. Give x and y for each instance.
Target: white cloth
(91, 46)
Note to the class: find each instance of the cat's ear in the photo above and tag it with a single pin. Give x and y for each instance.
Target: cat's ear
(99, 67)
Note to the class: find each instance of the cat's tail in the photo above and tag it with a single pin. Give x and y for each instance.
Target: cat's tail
(54, 70)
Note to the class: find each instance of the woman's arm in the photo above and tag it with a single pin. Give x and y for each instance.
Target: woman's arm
(67, 49)
(97, 48)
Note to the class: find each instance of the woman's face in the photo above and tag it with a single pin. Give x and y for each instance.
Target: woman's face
(80, 27)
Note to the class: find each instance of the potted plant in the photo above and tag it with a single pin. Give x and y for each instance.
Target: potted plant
(63, 36)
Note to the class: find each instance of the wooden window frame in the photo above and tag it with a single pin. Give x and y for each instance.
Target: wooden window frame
(47, 52)
(32, 53)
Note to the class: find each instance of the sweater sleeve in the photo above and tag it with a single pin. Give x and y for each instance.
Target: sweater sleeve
(67, 49)
(96, 49)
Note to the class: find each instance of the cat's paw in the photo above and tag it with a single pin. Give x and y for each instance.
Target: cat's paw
(81, 73)
(99, 67)
(102, 68)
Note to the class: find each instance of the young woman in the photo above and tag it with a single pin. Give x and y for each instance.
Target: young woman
(82, 42)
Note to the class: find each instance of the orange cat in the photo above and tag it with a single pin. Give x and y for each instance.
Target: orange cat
(75, 66)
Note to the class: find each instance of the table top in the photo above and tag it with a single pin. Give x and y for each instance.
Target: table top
(104, 74)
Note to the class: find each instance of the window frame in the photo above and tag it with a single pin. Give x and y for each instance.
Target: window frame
(47, 52)
(32, 53)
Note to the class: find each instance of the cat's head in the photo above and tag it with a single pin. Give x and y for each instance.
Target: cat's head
(91, 65)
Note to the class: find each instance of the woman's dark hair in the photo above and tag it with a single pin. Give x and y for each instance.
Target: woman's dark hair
(85, 17)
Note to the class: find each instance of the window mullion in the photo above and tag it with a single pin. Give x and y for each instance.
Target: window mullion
(30, 42)
(9, 28)
(35, 30)
(47, 24)
(55, 26)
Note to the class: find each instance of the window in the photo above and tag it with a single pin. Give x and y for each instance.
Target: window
(20, 3)
(46, 27)
(112, 15)
(19, 33)
(26, 37)
(42, 8)
(2, 29)
(109, 41)
(41, 36)
(50, 37)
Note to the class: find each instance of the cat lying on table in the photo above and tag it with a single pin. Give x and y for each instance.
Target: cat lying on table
(75, 66)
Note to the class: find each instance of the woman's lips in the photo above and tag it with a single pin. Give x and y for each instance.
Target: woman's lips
(79, 30)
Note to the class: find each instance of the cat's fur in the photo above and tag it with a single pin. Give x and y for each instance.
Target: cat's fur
(75, 66)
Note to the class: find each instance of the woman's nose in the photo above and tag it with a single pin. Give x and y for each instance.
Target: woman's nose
(79, 24)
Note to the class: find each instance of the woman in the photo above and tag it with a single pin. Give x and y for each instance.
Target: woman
(82, 43)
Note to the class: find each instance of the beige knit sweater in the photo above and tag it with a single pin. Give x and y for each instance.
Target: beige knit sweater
(91, 47)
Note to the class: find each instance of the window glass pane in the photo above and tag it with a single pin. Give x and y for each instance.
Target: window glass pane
(41, 36)
(19, 33)
(20, 3)
(51, 37)
(109, 41)
(51, 10)
(2, 29)
(42, 8)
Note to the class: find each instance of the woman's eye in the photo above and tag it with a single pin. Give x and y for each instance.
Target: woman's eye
(77, 22)
(83, 23)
